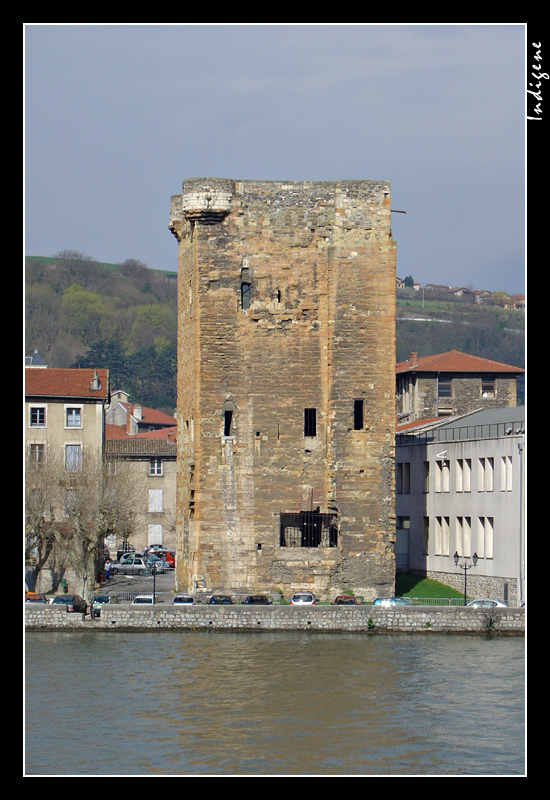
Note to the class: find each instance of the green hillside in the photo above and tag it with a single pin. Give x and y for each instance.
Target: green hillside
(80, 312)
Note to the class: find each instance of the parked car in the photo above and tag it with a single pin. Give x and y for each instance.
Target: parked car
(166, 556)
(391, 601)
(486, 603)
(345, 600)
(143, 600)
(220, 600)
(99, 600)
(131, 564)
(303, 599)
(123, 551)
(154, 562)
(258, 600)
(73, 602)
(184, 600)
(36, 598)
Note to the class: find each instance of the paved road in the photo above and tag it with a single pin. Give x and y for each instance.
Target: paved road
(134, 583)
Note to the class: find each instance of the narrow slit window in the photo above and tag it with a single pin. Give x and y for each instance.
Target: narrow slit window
(228, 423)
(358, 415)
(245, 296)
(310, 422)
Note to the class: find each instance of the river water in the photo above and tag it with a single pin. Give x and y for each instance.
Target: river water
(167, 704)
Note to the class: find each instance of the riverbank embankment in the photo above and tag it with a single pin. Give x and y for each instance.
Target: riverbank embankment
(335, 619)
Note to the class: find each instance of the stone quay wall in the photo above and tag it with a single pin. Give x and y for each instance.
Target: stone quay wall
(326, 619)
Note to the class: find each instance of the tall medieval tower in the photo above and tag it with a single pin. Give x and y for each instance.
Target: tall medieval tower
(286, 381)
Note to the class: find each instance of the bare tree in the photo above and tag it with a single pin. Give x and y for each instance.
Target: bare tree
(71, 512)
(41, 521)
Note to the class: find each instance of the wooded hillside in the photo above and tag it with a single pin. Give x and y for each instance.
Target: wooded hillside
(123, 317)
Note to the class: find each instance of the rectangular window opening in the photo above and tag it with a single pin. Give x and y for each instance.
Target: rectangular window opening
(310, 422)
(308, 529)
(358, 415)
(228, 423)
(245, 296)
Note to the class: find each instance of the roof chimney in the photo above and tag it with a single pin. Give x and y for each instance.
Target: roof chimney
(95, 383)
(413, 360)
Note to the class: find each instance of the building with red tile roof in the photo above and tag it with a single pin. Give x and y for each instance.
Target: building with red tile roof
(446, 384)
(135, 418)
(65, 410)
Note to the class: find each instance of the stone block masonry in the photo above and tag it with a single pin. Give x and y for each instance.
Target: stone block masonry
(323, 619)
(286, 362)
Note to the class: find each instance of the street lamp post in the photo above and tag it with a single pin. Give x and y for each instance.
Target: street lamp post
(465, 566)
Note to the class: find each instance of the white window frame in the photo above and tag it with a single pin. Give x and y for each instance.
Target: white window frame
(78, 410)
(38, 407)
(74, 463)
(156, 467)
(154, 534)
(155, 501)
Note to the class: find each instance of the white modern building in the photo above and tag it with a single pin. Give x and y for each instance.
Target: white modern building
(460, 491)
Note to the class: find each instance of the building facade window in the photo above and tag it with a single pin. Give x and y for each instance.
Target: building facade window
(310, 422)
(485, 474)
(442, 476)
(485, 537)
(441, 536)
(155, 466)
(37, 453)
(463, 536)
(403, 478)
(73, 457)
(463, 481)
(155, 500)
(488, 386)
(37, 417)
(358, 415)
(154, 534)
(506, 474)
(73, 417)
(245, 296)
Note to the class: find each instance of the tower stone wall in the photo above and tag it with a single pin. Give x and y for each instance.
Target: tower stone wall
(286, 380)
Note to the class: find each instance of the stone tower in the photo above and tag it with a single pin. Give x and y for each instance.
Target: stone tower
(286, 382)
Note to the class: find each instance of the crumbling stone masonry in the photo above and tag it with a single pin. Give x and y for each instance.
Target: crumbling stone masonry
(286, 381)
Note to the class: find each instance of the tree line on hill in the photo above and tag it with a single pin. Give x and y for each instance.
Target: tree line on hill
(79, 313)
(123, 317)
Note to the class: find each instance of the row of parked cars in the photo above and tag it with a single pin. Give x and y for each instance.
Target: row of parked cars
(145, 563)
(75, 603)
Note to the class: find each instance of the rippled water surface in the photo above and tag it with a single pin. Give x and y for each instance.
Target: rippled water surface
(221, 704)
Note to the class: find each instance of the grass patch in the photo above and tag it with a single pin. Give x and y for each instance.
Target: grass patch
(407, 585)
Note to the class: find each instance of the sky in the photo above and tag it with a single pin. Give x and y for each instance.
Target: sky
(116, 117)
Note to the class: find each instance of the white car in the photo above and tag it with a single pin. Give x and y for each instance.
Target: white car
(486, 603)
(143, 600)
(303, 599)
(184, 600)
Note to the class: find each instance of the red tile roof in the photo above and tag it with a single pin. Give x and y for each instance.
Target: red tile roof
(149, 416)
(455, 361)
(66, 383)
(116, 432)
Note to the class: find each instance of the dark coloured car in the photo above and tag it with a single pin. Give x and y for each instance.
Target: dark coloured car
(345, 600)
(99, 600)
(258, 600)
(73, 602)
(220, 600)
